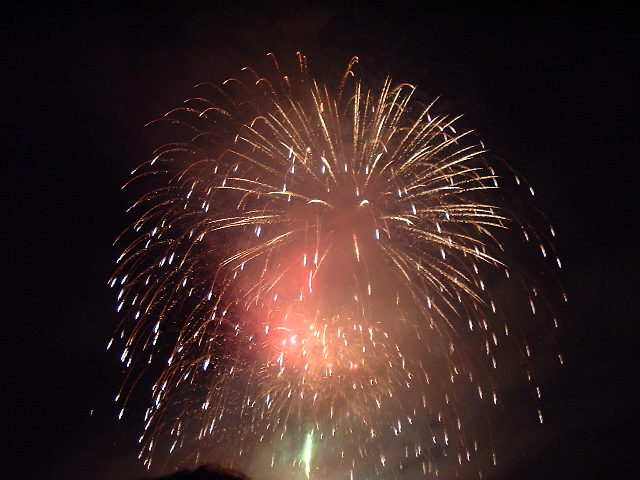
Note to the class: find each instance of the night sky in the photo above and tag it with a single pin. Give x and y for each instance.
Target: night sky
(552, 90)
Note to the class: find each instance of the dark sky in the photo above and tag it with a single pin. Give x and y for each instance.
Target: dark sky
(552, 90)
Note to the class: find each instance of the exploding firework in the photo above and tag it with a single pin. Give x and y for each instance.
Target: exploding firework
(327, 270)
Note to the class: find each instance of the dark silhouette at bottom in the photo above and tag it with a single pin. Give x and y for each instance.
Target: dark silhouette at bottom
(205, 472)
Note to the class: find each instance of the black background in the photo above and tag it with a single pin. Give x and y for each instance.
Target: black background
(552, 89)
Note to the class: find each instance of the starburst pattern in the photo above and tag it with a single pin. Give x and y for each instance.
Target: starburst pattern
(320, 262)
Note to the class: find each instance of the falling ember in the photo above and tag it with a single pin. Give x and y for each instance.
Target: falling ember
(388, 337)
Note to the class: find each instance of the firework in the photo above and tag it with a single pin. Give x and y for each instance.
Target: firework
(327, 267)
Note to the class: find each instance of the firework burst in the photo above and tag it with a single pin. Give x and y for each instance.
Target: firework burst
(318, 266)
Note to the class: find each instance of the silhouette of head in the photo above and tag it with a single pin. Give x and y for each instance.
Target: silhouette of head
(205, 472)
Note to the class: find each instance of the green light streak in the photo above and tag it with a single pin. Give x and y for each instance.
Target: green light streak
(306, 454)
